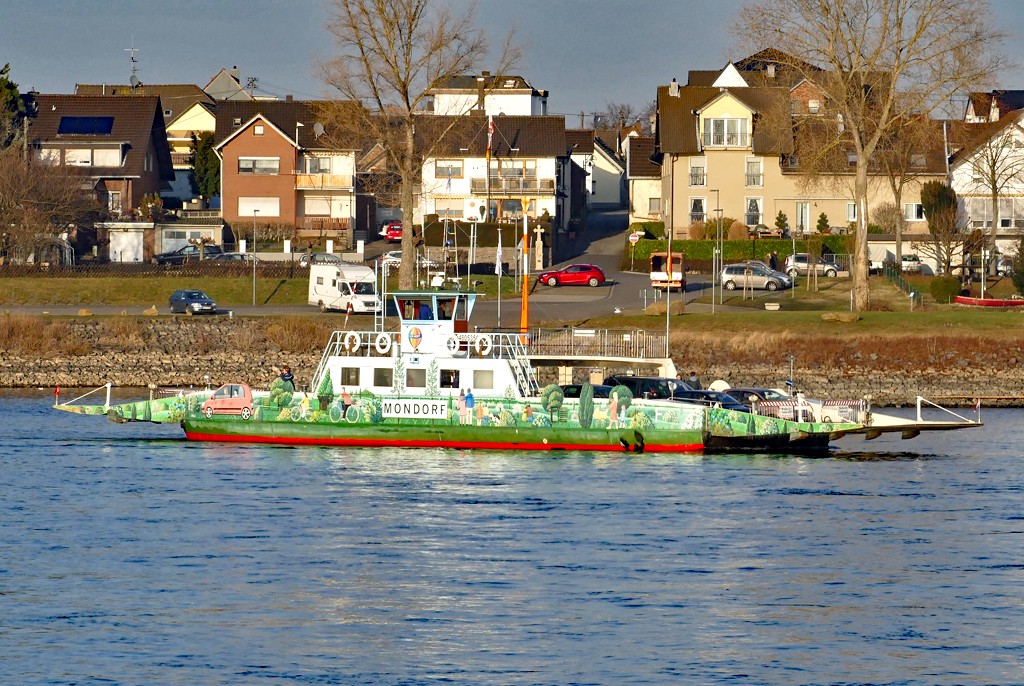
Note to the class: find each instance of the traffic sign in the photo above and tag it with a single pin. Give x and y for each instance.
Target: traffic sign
(634, 238)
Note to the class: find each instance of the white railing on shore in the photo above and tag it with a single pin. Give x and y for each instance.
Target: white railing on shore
(598, 343)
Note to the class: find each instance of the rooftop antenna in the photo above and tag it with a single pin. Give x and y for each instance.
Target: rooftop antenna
(134, 62)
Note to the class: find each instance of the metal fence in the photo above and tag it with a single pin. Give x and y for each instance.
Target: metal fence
(193, 269)
(593, 342)
(896, 279)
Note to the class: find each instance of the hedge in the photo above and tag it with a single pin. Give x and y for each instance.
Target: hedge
(648, 229)
(733, 250)
(486, 234)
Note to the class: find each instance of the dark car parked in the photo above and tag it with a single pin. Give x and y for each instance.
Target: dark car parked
(648, 386)
(749, 395)
(574, 390)
(235, 258)
(725, 400)
(189, 252)
(191, 302)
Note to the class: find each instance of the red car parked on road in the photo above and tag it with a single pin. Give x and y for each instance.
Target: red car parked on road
(392, 232)
(573, 275)
(231, 398)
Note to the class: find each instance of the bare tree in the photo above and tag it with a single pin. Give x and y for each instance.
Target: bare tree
(39, 202)
(876, 62)
(646, 116)
(390, 55)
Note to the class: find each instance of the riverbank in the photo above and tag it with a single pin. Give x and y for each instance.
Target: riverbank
(893, 365)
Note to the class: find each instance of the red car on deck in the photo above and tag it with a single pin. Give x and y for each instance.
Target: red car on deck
(573, 275)
(231, 398)
(392, 232)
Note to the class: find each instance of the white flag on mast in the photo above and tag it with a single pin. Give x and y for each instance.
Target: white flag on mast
(497, 260)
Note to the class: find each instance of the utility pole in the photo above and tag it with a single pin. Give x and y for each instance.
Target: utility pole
(254, 257)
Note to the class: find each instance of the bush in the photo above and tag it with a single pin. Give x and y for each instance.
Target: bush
(944, 288)
(822, 225)
(738, 231)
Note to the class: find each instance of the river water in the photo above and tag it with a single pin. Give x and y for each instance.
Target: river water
(129, 556)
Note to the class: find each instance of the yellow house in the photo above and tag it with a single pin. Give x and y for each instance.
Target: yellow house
(197, 119)
(716, 154)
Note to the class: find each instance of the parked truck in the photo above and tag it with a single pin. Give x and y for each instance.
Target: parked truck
(660, 277)
(343, 287)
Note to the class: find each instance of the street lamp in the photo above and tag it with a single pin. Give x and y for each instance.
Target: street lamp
(254, 257)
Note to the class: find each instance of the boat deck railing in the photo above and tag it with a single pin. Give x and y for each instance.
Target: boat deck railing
(590, 343)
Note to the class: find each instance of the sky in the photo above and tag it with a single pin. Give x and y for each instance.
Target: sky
(586, 53)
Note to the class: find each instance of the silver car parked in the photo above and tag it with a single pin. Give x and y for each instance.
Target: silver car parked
(737, 275)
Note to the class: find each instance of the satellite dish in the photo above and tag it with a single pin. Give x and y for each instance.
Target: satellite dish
(135, 81)
(318, 129)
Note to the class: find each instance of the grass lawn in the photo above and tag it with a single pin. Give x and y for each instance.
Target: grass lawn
(149, 291)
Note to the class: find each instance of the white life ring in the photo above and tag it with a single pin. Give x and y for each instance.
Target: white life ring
(352, 342)
(484, 345)
(383, 343)
(453, 344)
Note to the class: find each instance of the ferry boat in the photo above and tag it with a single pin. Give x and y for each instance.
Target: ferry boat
(434, 383)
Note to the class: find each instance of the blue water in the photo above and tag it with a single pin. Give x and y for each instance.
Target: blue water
(128, 556)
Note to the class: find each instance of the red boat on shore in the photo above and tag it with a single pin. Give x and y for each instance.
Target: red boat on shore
(987, 302)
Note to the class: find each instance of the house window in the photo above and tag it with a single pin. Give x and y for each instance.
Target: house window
(913, 212)
(446, 168)
(851, 211)
(654, 206)
(814, 106)
(257, 130)
(168, 113)
(383, 378)
(794, 106)
(318, 165)
(259, 207)
(918, 161)
(48, 157)
(114, 202)
(350, 376)
(106, 158)
(803, 216)
(317, 206)
(78, 158)
(448, 207)
(259, 165)
(851, 159)
(237, 121)
(697, 210)
(147, 162)
(416, 378)
(698, 167)
(724, 132)
(753, 213)
(450, 378)
(319, 281)
(754, 175)
(483, 379)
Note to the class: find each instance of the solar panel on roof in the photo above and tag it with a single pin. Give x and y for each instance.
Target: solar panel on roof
(85, 126)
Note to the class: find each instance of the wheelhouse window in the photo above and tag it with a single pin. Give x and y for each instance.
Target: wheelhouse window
(383, 378)
(450, 378)
(416, 378)
(725, 132)
(259, 165)
(445, 168)
(350, 376)
(483, 379)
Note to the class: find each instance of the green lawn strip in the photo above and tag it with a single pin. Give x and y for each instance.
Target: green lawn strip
(149, 291)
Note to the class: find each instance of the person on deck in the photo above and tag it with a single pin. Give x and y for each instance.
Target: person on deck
(425, 312)
(694, 382)
(286, 375)
(470, 404)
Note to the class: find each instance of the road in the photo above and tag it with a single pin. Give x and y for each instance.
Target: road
(601, 245)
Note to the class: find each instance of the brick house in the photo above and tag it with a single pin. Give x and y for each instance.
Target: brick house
(277, 169)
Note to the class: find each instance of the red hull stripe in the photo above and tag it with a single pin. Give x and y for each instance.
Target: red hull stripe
(485, 445)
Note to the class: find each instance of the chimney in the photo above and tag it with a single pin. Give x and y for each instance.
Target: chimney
(289, 98)
(235, 74)
(673, 88)
(480, 93)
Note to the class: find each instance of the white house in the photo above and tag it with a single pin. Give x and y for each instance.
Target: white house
(528, 171)
(495, 95)
(644, 179)
(605, 172)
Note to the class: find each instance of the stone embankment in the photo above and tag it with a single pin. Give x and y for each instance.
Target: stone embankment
(184, 351)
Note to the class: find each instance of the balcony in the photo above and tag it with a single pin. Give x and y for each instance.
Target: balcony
(180, 159)
(698, 178)
(726, 140)
(323, 182)
(755, 180)
(513, 185)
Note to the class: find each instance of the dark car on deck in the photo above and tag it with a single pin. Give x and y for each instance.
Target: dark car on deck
(573, 275)
(187, 254)
(710, 398)
(574, 390)
(655, 387)
(191, 302)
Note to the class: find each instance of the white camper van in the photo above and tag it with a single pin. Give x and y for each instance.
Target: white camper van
(336, 286)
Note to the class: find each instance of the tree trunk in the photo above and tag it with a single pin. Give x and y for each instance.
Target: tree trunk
(406, 274)
(859, 267)
(898, 197)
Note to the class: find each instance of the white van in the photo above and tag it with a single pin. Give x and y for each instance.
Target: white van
(336, 286)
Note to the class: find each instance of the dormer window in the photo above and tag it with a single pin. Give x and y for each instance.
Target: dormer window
(257, 130)
(726, 132)
(237, 121)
